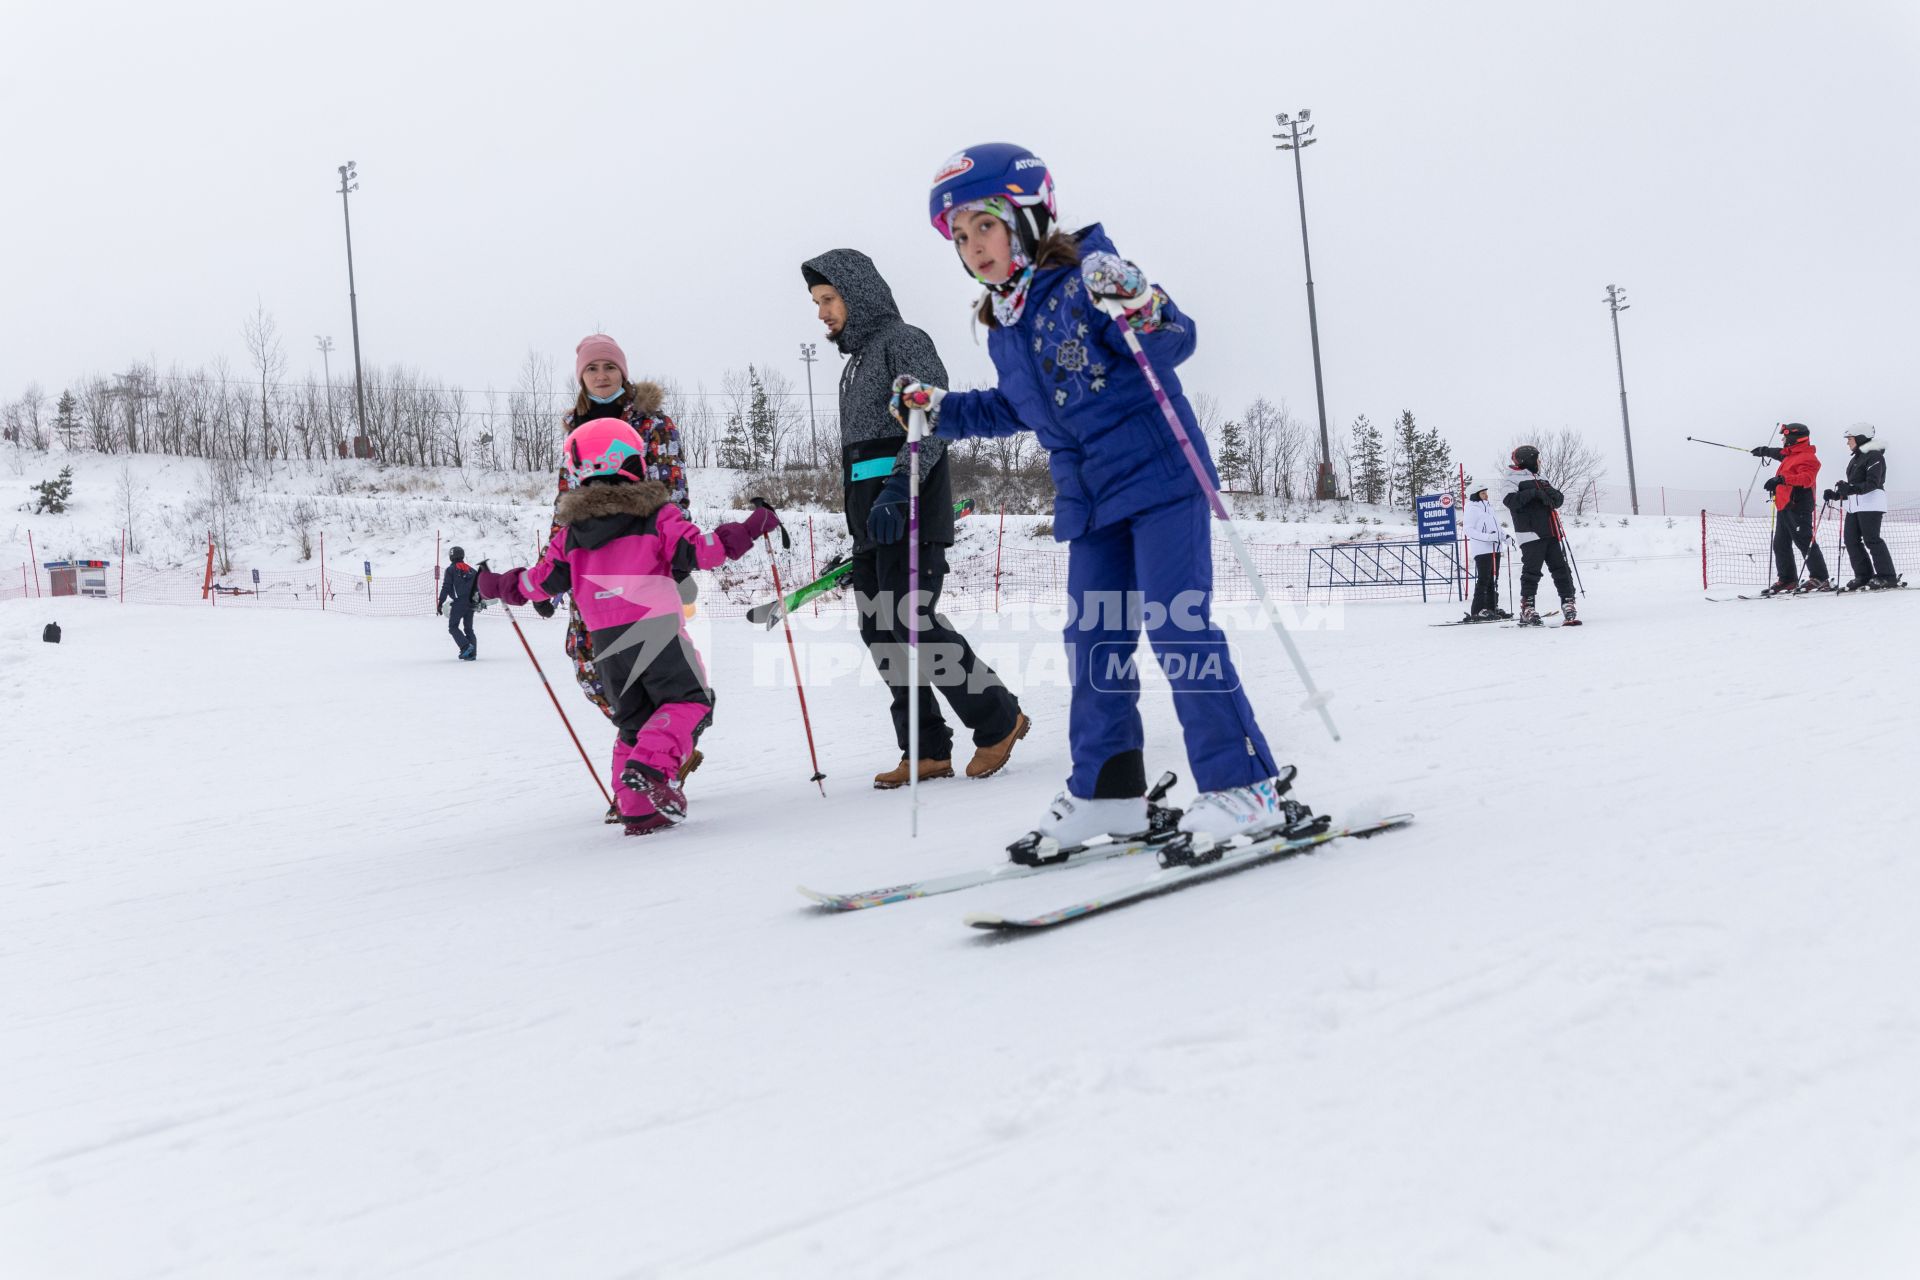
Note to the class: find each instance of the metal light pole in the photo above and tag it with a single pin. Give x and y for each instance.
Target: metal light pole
(350, 182)
(1296, 140)
(326, 371)
(808, 356)
(1616, 303)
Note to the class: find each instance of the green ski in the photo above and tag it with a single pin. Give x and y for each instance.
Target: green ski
(769, 614)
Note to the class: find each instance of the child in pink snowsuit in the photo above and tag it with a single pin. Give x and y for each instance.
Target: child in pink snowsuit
(615, 545)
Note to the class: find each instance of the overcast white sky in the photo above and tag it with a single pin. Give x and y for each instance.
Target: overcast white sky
(531, 172)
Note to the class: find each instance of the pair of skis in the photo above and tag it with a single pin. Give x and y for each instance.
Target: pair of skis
(1481, 622)
(1797, 595)
(769, 614)
(1238, 854)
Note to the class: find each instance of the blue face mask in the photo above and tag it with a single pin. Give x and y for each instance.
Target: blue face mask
(606, 399)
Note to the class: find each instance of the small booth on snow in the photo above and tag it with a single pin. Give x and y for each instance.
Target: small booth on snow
(78, 577)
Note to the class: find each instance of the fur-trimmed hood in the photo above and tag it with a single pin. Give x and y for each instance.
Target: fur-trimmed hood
(1872, 446)
(647, 398)
(617, 498)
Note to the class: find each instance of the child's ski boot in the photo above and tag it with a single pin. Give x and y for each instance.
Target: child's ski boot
(1073, 823)
(1568, 618)
(1220, 820)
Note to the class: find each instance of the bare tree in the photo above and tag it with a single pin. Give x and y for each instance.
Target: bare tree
(31, 402)
(1206, 411)
(127, 504)
(787, 415)
(263, 348)
(227, 505)
(1289, 447)
(532, 422)
(137, 393)
(96, 411)
(1260, 426)
(696, 422)
(1571, 464)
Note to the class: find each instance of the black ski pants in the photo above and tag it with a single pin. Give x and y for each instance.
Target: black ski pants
(1539, 551)
(1865, 547)
(1793, 527)
(460, 625)
(1486, 581)
(947, 662)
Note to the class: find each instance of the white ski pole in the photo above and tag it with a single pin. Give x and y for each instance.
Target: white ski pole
(1315, 699)
(916, 427)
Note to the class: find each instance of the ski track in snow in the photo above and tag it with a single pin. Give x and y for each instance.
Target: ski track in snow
(316, 959)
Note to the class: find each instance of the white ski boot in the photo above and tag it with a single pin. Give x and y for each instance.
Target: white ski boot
(1218, 820)
(1073, 822)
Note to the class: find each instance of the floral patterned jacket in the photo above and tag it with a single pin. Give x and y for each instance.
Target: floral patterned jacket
(1067, 376)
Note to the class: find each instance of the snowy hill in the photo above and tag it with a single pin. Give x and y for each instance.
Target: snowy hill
(319, 961)
(282, 519)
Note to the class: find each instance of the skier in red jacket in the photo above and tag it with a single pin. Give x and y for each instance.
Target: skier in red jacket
(1792, 490)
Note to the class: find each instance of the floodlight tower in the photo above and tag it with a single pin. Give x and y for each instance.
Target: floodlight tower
(1298, 139)
(1616, 303)
(350, 182)
(808, 355)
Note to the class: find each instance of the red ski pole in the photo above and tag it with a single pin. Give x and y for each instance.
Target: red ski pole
(556, 705)
(779, 593)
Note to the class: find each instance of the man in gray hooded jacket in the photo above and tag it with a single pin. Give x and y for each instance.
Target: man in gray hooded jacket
(858, 309)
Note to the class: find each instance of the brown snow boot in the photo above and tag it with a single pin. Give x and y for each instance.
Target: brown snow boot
(989, 760)
(688, 765)
(897, 776)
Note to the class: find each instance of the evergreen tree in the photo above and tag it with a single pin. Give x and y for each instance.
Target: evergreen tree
(1370, 461)
(763, 439)
(1437, 459)
(1232, 462)
(1408, 470)
(55, 493)
(1421, 462)
(734, 450)
(66, 420)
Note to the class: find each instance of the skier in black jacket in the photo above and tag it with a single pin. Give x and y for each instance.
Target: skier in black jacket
(858, 310)
(1865, 494)
(456, 590)
(1536, 527)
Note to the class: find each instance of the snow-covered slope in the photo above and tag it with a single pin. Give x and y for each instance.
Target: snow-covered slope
(316, 959)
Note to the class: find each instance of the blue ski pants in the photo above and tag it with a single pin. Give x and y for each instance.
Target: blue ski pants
(1153, 572)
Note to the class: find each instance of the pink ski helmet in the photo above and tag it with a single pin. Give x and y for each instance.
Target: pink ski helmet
(603, 447)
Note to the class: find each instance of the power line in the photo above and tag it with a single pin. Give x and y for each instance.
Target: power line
(675, 393)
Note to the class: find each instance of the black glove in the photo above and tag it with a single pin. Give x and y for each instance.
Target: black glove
(1548, 494)
(1765, 451)
(887, 521)
(786, 539)
(439, 608)
(1773, 482)
(543, 607)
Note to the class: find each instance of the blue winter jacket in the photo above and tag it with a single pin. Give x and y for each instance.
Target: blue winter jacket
(1066, 375)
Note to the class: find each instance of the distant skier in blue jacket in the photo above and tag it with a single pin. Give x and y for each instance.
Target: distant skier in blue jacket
(1134, 517)
(457, 591)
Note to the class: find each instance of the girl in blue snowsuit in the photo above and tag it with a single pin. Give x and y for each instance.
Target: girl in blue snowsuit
(1130, 509)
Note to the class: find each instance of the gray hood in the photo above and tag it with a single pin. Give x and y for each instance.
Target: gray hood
(870, 304)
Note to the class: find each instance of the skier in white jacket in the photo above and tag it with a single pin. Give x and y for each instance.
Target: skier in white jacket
(1485, 541)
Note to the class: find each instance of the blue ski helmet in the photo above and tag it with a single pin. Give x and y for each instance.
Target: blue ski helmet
(994, 169)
